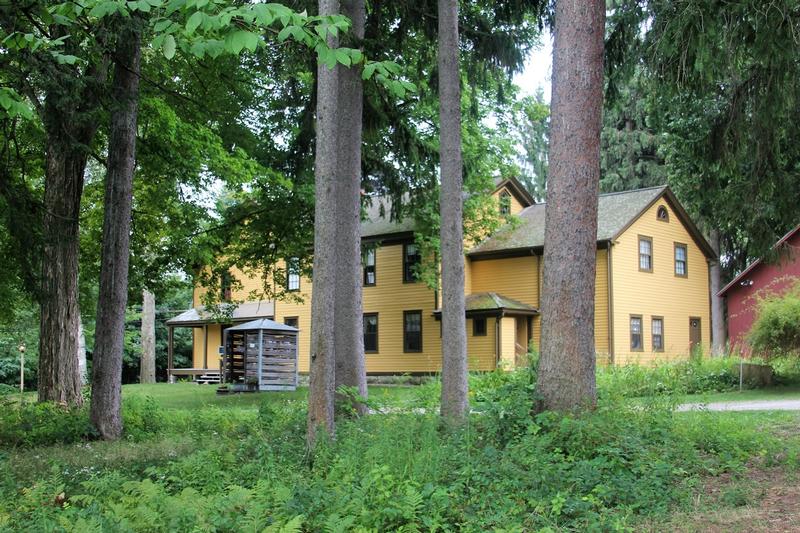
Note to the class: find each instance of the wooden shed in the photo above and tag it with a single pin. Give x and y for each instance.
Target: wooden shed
(260, 355)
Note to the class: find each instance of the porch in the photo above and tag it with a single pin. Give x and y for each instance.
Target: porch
(208, 331)
(513, 322)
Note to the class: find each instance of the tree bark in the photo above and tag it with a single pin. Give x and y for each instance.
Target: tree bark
(323, 356)
(348, 318)
(70, 124)
(718, 330)
(110, 332)
(567, 365)
(59, 377)
(455, 401)
(147, 366)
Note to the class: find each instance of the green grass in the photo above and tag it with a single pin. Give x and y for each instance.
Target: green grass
(193, 396)
(192, 460)
(781, 392)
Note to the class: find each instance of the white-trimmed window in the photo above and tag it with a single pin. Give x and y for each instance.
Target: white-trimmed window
(636, 333)
(657, 329)
(645, 253)
(681, 269)
(293, 274)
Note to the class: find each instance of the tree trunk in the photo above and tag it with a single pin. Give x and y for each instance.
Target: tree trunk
(323, 356)
(70, 123)
(59, 372)
(455, 402)
(147, 366)
(718, 331)
(567, 364)
(113, 298)
(348, 319)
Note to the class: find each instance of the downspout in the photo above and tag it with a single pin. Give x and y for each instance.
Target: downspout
(497, 332)
(610, 306)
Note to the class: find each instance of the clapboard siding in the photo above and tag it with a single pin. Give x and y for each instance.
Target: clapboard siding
(515, 277)
(660, 292)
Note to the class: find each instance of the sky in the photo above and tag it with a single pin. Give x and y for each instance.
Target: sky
(538, 69)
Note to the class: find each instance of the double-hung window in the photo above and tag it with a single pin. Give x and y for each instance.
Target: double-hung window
(371, 332)
(293, 274)
(412, 331)
(680, 260)
(636, 333)
(411, 259)
(369, 267)
(657, 327)
(645, 254)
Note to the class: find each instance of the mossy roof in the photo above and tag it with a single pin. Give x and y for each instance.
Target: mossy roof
(614, 212)
(379, 221)
(485, 301)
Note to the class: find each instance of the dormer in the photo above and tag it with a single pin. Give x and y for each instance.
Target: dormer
(512, 197)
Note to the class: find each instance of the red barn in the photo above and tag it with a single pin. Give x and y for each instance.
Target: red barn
(759, 279)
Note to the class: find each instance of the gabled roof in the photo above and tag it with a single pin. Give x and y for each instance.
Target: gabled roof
(379, 222)
(758, 261)
(616, 211)
(516, 188)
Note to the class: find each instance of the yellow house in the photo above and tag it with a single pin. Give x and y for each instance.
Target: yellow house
(651, 303)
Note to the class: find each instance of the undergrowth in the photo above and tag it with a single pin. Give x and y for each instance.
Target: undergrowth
(506, 470)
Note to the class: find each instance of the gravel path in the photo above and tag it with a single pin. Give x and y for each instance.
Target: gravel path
(753, 405)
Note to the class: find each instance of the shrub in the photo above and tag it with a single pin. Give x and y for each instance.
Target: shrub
(142, 417)
(693, 376)
(776, 329)
(37, 424)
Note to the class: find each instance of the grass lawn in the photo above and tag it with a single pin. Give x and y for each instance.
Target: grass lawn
(781, 392)
(194, 396)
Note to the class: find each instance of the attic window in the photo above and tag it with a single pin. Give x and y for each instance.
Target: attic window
(505, 203)
(662, 214)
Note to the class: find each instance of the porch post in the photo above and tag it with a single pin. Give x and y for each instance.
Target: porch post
(205, 346)
(170, 348)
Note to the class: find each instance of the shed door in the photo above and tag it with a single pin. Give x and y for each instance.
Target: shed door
(694, 333)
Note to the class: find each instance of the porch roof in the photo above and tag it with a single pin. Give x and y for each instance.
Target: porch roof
(492, 303)
(198, 316)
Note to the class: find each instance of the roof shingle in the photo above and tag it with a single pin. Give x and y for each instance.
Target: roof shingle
(614, 212)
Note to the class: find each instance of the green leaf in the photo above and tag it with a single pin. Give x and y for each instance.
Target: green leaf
(284, 33)
(194, 21)
(343, 57)
(162, 25)
(168, 47)
(264, 15)
(66, 59)
(242, 39)
(103, 9)
(369, 69)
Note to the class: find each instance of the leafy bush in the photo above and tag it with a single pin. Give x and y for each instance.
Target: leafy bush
(693, 376)
(9, 371)
(142, 417)
(35, 424)
(776, 329)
